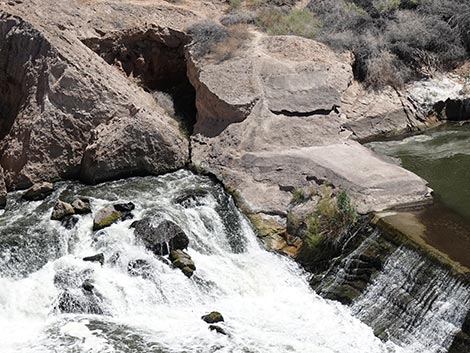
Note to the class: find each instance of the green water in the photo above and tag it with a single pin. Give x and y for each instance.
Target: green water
(442, 157)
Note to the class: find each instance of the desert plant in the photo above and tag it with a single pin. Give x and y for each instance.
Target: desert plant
(238, 17)
(235, 5)
(298, 196)
(331, 218)
(300, 22)
(205, 35)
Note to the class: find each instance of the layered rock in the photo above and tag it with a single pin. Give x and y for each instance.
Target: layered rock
(292, 131)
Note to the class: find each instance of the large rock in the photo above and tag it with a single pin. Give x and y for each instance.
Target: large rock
(131, 146)
(162, 237)
(38, 191)
(292, 133)
(61, 103)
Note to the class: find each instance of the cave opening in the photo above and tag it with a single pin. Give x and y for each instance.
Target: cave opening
(155, 59)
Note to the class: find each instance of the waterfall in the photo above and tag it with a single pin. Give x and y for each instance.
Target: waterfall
(265, 299)
(414, 303)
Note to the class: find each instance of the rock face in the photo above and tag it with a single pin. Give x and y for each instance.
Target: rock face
(38, 191)
(161, 238)
(290, 132)
(61, 103)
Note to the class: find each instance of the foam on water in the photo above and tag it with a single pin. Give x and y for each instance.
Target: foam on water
(265, 299)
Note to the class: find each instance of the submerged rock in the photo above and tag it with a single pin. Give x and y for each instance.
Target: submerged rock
(38, 191)
(81, 302)
(213, 317)
(161, 238)
(95, 258)
(88, 286)
(217, 329)
(61, 210)
(105, 217)
(124, 207)
(139, 267)
(81, 205)
(69, 222)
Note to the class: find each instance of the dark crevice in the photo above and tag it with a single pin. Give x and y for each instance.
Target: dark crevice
(154, 59)
(306, 114)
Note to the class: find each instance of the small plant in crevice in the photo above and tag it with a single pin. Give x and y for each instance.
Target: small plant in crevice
(298, 196)
(332, 216)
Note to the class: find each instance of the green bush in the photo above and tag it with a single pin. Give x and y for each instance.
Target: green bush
(298, 196)
(299, 22)
(331, 217)
(395, 41)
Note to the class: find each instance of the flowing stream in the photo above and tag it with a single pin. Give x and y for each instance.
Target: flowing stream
(265, 299)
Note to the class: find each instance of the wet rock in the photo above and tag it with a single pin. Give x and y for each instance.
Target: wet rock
(187, 271)
(38, 191)
(213, 317)
(105, 217)
(139, 267)
(88, 285)
(81, 206)
(124, 207)
(3, 190)
(161, 238)
(69, 222)
(126, 216)
(95, 258)
(217, 329)
(190, 197)
(61, 210)
(73, 301)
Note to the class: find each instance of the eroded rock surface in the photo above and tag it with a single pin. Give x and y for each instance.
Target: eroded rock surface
(292, 131)
(58, 98)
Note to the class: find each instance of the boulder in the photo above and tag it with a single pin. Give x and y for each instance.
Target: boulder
(61, 210)
(38, 191)
(213, 317)
(138, 147)
(95, 258)
(161, 238)
(105, 217)
(81, 205)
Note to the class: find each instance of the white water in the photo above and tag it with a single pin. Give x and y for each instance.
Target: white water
(265, 299)
(415, 303)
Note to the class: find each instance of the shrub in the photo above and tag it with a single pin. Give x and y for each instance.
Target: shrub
(226, 49)
(330, 218)
(298, 196)
(395, 41)
(300, 22)
(166, 102)
(205, 35)
(239, 17)
(235, 5)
